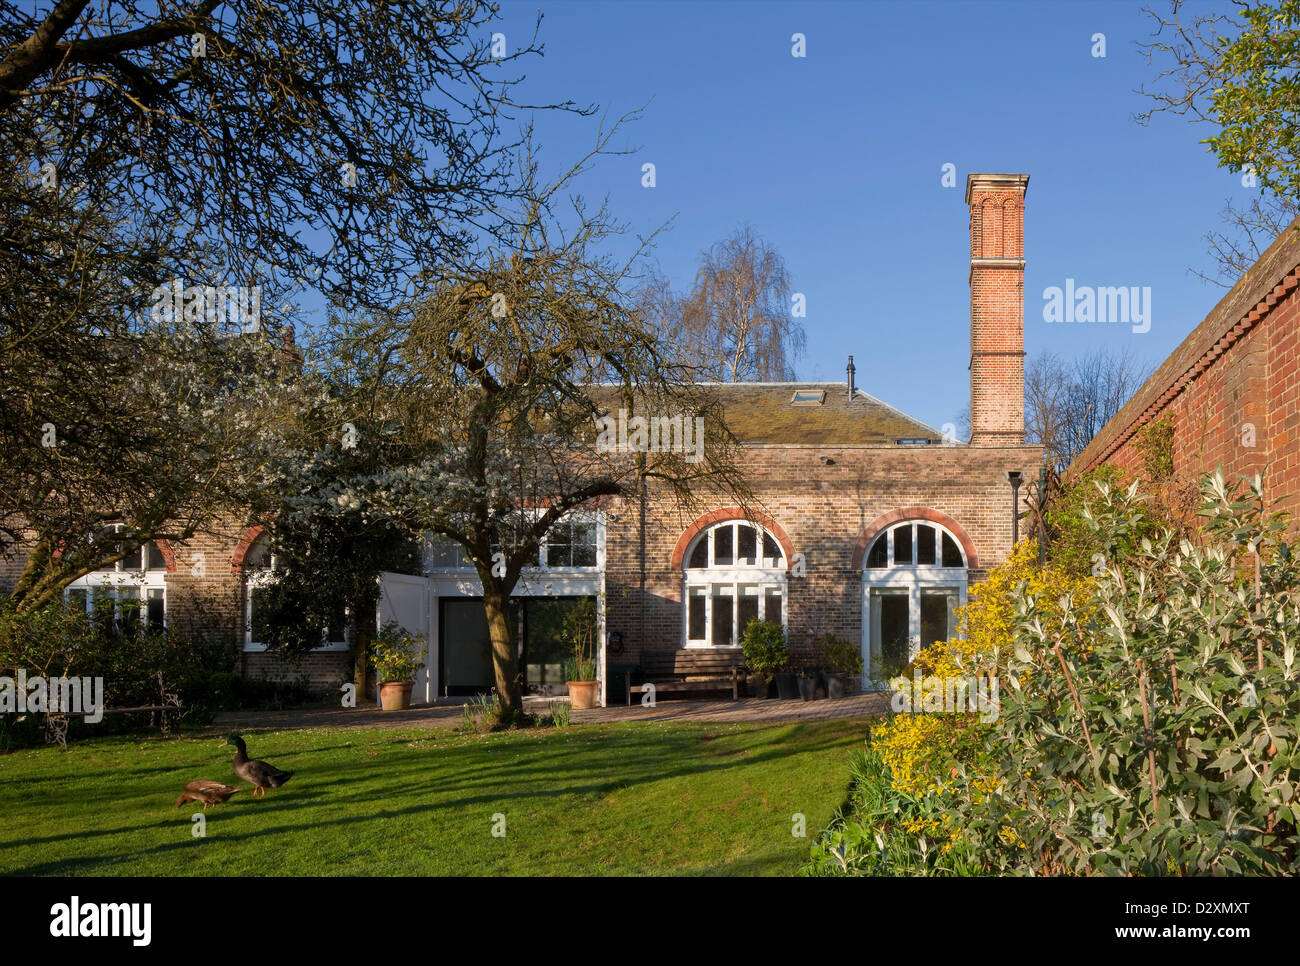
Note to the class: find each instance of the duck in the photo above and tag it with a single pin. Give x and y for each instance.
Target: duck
(258, 773)
(206, 791)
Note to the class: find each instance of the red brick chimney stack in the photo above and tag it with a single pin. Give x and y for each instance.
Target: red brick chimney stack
(997, 308)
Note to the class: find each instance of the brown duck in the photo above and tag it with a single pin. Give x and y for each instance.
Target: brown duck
(207, 792)
(257, 773)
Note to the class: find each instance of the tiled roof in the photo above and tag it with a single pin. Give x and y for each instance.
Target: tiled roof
(765, 413)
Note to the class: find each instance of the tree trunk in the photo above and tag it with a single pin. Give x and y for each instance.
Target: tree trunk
(363, 632)
(505, 663)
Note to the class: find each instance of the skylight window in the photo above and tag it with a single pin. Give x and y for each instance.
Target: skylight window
(808, 397)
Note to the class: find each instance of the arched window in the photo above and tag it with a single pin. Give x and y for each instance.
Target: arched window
(735, 572)
(914, 579)
(260, 567)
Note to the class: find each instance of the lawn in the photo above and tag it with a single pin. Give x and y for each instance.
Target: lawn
(633, 798)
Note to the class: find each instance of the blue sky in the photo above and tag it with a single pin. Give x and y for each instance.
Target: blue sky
(836, 158)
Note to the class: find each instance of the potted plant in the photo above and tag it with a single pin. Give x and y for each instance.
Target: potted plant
(811, 684)
(579, 630)
(766, 652)
(396, 657)
(844, 661)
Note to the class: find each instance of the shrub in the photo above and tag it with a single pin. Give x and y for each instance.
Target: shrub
(841, 655)
(880, 830)
(765, 647)
(1148, 722)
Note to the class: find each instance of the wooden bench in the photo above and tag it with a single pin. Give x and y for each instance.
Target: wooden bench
(56, 725)
(687, 670)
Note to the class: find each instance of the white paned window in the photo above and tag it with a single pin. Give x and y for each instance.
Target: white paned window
(734, 572)
(127, 594)
(914, 578)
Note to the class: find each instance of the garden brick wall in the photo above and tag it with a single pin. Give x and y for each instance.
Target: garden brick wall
(1232, 388)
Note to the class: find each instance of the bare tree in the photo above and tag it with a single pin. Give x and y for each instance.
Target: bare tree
(1067, 404)
(736, 324)
(1047, 402)
(1250, 231)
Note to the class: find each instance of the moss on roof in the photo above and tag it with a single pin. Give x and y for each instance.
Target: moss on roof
(765, 413)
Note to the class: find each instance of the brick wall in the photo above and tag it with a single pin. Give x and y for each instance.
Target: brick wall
(1232, 388)
(825, 510)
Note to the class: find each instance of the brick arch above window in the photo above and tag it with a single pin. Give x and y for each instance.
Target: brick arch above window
(169, 555)
(886, 520)
(722, 516)
(246, 542)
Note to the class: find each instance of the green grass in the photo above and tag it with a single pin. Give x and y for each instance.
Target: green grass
(649, 797)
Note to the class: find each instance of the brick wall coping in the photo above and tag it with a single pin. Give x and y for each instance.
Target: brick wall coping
(1271, 279)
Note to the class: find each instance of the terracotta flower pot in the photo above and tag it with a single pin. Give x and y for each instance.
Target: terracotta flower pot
(582, 694)
(395, 695)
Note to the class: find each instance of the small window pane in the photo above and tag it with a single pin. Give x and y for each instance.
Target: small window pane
(748, 606)
(724, 620)
(695, 626)
(722, 548)
(257, 626)
(155, 609)
(895, 648)
(128, 610)
(903, 544)
(700, 554)
(951, 553)
(156, 560)
(925, 545)
(584, 544)
(934, 618)
(746, 544)
(879, 549)
(258, 557)
(772, 605)
(78, 599)
(559, 552)
(772, 550)
(134, 560)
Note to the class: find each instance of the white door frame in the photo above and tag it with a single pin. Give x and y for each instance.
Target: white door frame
(913, 581)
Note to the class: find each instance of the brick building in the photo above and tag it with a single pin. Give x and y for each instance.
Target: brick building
(1231, 389)
(867, 524)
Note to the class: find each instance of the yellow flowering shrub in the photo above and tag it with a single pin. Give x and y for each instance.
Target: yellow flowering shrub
(928, 751)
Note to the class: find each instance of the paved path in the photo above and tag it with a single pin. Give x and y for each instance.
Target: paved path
(446, 715)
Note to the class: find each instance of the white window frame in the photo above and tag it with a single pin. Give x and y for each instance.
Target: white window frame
(912, 579)
(763, 573)
(598, 534)
(143, 582)
(262, 577)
